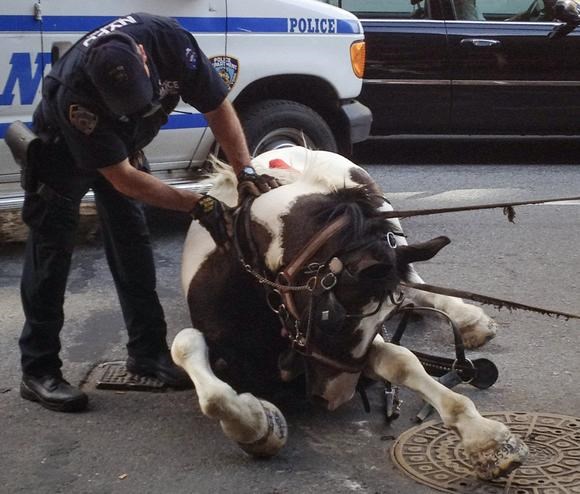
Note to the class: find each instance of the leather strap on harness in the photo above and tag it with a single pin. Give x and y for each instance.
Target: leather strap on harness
(313, 246)
(286, 277)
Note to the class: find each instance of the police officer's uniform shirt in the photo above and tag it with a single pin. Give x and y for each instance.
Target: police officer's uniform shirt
(96, 138)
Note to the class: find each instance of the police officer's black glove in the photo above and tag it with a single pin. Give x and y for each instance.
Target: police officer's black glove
(212, 215)
(252, 184)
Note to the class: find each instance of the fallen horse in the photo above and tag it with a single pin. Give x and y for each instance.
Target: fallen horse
(312, 271)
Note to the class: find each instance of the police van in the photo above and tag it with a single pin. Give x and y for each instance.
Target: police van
(294, 69)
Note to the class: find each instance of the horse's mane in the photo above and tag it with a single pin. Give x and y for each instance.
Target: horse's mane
(224, 181)
(359, 206)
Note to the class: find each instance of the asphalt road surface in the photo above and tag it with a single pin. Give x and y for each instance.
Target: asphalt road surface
(135, 442)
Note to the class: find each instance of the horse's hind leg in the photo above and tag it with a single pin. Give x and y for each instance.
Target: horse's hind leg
(475, 326)
(492, 449)
(256, 425)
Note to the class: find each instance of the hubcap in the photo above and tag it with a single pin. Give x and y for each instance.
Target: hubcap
(282, 138)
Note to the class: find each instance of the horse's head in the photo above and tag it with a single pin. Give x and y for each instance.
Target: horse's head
(335, 262)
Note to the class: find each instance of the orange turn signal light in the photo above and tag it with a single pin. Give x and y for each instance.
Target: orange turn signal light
(358, 57)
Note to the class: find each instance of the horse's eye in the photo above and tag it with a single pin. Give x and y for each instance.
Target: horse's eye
(391, 240)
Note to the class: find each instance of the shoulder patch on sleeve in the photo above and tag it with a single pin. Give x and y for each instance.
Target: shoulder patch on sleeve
(82, 119)
(227, 67)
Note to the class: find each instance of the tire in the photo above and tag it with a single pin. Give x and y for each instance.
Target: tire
(276, 124)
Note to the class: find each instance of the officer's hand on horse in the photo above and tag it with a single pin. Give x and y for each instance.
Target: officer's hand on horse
(214, 216)
(251, 183)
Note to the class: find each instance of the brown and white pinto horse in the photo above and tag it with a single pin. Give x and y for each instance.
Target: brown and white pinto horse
(321, 230)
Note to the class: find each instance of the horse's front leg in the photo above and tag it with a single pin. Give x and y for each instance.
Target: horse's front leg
(492, 449)
(256, 425)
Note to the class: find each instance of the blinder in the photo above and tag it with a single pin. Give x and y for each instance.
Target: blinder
(329, 314)
(324, 316)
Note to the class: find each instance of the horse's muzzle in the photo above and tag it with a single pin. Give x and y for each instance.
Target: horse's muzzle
(331, 391)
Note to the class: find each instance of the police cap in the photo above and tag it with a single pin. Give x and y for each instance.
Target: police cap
(116, 68)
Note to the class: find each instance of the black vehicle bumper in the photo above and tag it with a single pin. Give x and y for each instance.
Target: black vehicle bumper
(358, 119)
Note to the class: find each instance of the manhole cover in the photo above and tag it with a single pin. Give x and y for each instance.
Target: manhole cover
(431, 454)
(114, 375)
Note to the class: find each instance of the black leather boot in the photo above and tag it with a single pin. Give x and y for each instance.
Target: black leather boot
(53, 392)
(161, 367)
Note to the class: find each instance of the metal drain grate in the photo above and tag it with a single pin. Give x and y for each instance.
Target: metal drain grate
(431, 454)
(114, 375)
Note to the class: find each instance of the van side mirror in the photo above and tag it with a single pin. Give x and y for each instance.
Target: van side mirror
(59, 48)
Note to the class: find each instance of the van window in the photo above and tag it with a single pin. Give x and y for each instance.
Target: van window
(502, 10)
(385, 9)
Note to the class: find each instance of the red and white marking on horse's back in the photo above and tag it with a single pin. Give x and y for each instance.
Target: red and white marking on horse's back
(317, 171)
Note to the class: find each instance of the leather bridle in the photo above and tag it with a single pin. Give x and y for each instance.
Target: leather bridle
(321, 279)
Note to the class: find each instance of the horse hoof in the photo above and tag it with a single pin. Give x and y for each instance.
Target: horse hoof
(501, 460)
(274, 439)
(478, 334)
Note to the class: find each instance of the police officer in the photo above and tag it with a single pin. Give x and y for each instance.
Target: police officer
(103, 101)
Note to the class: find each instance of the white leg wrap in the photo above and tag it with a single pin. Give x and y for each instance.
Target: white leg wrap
(257, 425)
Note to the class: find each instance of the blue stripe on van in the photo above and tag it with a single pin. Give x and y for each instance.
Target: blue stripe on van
(83, 24)
(195, 121)
(180, 121)
(349, 27)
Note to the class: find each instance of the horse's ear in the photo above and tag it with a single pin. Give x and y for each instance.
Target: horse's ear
(406, 254)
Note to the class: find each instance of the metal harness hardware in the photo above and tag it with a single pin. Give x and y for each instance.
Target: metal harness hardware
(481, 373)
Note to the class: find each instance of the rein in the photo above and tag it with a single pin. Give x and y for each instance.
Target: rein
(506, 206)
(475, 297)
(484, 299)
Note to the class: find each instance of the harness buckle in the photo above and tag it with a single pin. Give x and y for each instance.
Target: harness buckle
(473, 370)
(313, 268)
(276, 306)
(311, 283)
(298, 340)
(282, 313)
(328, 281)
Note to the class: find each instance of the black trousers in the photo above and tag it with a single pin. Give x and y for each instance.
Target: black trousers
(53, 217)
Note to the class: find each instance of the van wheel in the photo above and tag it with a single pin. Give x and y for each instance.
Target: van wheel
(276, 124)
